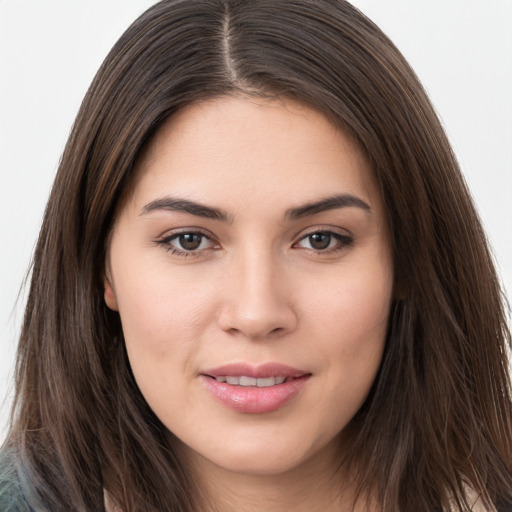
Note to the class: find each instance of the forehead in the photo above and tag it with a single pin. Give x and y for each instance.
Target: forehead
(226, 147)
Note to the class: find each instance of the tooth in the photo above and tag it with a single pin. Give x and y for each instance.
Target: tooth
(248, 381)
(265, 382)
(262, 382)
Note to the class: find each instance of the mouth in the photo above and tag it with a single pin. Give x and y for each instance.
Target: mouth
(244, 381)
(261, 376)
(255, 389)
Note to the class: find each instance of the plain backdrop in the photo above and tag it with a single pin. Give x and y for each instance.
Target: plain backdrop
(51, 49)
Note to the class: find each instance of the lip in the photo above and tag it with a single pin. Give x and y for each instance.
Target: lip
(252, 399)
(258, 372)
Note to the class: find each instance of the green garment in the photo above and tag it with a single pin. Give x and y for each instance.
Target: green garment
(11, 495)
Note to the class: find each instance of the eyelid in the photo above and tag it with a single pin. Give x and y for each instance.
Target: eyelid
(166, 238)
(169, 233)
(322, 228)
(344, 237)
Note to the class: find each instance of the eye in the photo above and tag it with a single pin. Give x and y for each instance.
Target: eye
(324, 241)
(190, 241)
(187, 243)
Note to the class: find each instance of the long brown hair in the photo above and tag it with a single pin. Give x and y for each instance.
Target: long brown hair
(439, 417)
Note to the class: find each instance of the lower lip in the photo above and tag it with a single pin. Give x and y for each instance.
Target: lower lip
(252, 399)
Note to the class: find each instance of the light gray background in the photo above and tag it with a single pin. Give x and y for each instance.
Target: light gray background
(50, 50)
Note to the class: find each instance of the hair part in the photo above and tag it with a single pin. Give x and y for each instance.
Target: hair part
(439, 416)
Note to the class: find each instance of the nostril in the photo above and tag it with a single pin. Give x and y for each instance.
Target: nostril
(256, 319)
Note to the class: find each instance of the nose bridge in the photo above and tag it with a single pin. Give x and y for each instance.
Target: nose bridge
(256, 301)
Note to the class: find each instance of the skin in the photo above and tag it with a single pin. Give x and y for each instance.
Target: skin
(257, 289)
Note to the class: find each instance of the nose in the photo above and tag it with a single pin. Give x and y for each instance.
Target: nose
(257, 303)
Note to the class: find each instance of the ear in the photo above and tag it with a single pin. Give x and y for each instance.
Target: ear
(109, 295)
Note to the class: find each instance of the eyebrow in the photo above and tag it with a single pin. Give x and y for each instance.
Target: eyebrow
(208, 212)
(184, 205)
(329, 203)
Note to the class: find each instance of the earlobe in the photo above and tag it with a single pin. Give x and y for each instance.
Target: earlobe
(109, 295)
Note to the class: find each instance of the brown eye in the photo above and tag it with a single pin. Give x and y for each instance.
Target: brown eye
(324, 241)
(320, 241)
(190, 241)
(187, 243)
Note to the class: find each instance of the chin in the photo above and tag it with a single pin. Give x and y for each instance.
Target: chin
(268, 465)
(275, 456)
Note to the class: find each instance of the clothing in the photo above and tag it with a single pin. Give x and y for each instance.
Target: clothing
(11, 496)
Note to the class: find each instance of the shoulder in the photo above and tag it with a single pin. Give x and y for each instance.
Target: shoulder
(11, 494)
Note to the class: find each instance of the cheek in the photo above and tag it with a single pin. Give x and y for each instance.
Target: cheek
(165, 316)
(158, 307)
(162, 326)
(351, 323)
(354, 305)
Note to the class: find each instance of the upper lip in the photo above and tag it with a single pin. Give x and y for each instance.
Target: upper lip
(258, 372)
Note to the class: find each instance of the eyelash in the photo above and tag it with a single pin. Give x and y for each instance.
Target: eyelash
(166, 243)
(343, 242)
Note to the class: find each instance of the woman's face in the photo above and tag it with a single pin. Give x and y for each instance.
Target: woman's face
(251, 269)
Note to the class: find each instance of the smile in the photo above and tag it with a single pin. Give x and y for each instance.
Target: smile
(255, 389)
(245, 381)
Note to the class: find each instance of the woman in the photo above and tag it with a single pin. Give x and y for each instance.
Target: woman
(260, 283)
